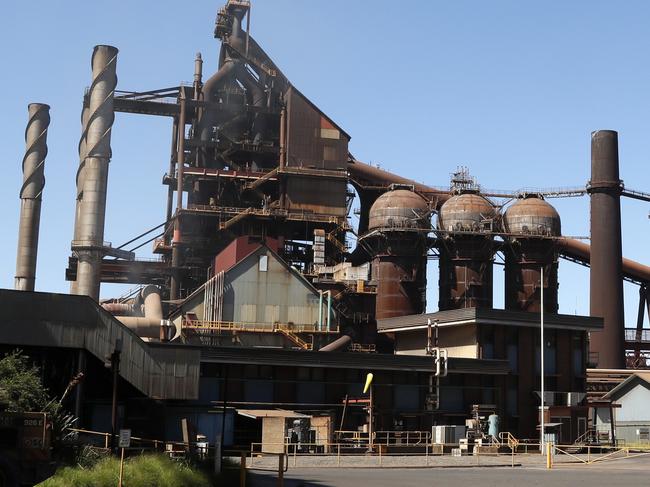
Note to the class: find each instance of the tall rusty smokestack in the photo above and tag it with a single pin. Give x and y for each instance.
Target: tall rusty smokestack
(606, 274)
(93, 171)
(30, 195)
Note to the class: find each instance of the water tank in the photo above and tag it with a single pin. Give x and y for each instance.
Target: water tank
(466, 212)
(493, 425)
(399, 208)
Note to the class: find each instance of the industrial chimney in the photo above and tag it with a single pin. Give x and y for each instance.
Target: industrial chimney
(606, 275)
(92, 178)
(30, 195)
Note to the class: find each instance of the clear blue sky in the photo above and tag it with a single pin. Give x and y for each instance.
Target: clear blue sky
(511, 89)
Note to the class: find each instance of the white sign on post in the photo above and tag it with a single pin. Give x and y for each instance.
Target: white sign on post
(125, 439)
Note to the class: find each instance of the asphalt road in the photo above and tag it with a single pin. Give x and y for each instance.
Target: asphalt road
(629, 472)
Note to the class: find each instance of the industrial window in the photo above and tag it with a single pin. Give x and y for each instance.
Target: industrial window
(264, 263)
(329, 134)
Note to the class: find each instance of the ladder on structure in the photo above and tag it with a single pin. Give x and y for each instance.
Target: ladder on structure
(294, 338)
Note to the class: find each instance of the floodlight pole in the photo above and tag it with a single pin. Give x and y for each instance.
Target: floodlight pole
(541, 354)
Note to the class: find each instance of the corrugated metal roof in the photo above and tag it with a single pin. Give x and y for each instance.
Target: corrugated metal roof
(343, 360)
(68, 321)
(270, 413)
(489, 316)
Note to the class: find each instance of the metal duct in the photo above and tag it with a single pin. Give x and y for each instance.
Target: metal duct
(338, 344)
(606, 273)
(581, 251)
(92, 211)
(152, 302)
(209, 90)
(149, 326)
(30, 195)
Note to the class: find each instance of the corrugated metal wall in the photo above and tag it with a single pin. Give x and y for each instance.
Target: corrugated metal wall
(275, 295)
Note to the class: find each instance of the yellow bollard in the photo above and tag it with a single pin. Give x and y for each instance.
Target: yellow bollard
(549, 457)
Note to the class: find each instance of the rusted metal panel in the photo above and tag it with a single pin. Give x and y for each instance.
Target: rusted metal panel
(326, 196)
(313, 140)
(606, 275)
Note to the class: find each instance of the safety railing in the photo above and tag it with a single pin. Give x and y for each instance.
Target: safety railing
(635, 335)
(245, 326)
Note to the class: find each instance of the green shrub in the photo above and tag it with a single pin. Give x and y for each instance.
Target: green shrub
(141, 471)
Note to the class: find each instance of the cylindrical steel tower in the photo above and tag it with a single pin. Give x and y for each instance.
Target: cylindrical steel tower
(606, 275)
(89, 231)
(30, 195)
(79, 180)
(465, 224)
(528, 223)
(398, 224)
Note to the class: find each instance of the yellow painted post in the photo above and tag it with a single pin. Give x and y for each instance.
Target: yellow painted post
(119, 482)
(426, 454)
(549, 458)
(588, 454)
(338, 455)
(242, 470)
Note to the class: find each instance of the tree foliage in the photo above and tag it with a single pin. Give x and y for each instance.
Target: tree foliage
(21, 389)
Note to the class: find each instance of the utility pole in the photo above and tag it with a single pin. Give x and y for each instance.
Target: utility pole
(115, 373)
(541, 354)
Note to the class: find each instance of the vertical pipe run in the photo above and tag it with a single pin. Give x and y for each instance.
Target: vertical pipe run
(30, 195)
(606, 275)
(174, 291)
(89, 230)
(320, 310)
(541, 353)
(329, 309)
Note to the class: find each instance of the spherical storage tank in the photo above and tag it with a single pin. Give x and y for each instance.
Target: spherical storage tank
(466, 258)
(399, 208)
(465, 212)
(399, 261)
(532, 215)
(527, 224)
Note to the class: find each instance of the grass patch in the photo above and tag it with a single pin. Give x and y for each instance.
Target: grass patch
(141, 471)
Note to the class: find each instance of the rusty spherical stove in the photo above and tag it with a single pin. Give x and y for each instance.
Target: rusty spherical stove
(466, 212)
(531, 215)
(399, 209)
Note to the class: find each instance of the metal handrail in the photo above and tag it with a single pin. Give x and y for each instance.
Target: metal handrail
(253, 326)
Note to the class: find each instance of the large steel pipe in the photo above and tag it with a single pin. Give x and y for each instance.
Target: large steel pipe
(89, 230)
(606, 274)
(30, 195)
